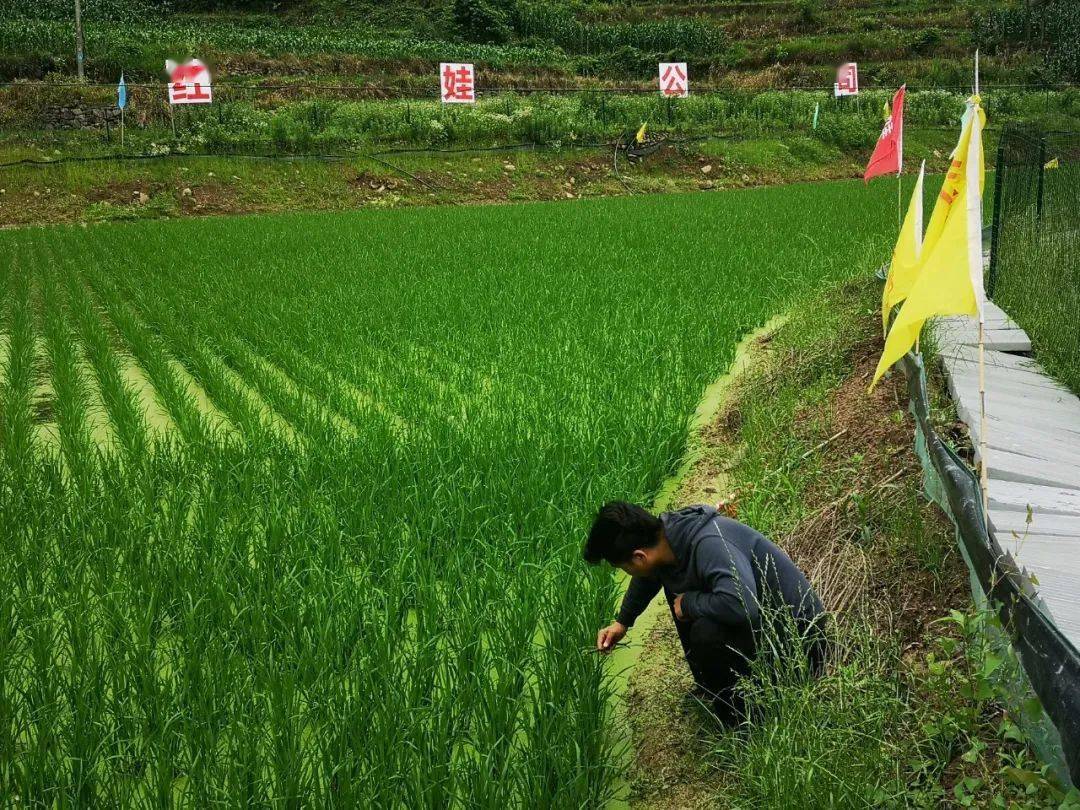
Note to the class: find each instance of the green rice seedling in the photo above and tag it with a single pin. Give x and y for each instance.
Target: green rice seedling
(71, 398)
(121, 402)
(208, 371)
(391, 610)
(17, 437)
(174, 396)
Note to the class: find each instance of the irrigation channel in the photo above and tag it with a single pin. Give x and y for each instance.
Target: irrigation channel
(624, 658)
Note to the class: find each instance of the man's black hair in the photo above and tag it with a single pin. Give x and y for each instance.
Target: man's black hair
(620, 529)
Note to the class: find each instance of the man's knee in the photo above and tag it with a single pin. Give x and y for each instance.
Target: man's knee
(706, 632)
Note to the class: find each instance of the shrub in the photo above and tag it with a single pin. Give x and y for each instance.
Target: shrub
(481, 21)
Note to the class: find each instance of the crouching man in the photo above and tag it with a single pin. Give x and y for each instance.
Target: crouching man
(725, 583)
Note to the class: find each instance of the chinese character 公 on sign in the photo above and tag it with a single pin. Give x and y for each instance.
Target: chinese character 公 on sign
(673, 81)
(847, 80)
(189, 83)
(456, 80)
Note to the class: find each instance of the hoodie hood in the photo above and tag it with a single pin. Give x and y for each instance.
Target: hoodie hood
(682, 527)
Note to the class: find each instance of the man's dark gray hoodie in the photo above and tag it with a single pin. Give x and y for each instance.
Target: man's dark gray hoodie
(724, 570)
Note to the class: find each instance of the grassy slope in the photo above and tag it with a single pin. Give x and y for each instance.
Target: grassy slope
(805, 455)
(182, 187)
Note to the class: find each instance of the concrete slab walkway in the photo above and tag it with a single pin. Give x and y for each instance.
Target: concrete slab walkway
(1033, 455)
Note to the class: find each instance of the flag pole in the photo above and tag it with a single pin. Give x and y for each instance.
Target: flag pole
(984, 474)
(899, 200)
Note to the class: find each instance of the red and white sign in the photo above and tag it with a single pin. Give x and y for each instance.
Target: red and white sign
(847, 80)
(888, 154)
(457, 80)
(673, 80)
(189, 83)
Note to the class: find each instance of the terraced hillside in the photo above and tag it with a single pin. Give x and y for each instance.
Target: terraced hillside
(741, 42)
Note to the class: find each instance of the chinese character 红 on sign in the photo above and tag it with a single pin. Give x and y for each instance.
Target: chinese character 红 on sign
(847, 80)
(189, 83)
(673, 79)
(457, 82)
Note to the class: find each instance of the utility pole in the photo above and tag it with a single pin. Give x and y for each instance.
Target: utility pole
(80, 55)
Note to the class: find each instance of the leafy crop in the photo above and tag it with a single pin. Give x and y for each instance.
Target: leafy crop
(559, 24)
(141, 48)
(292, 505)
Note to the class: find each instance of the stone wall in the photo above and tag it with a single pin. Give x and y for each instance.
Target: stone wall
(80, 117)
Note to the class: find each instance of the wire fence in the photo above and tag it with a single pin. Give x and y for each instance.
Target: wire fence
(1035, 254)
(553, 86)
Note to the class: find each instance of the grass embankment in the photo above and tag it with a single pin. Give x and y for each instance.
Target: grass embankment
(324, 546)
(908, 714)
(183, 186)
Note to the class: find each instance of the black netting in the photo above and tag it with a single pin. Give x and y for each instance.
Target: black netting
(1051, 664)
(1034, 270)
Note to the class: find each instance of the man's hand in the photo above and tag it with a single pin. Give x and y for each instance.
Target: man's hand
(609, 636)
(678, 609)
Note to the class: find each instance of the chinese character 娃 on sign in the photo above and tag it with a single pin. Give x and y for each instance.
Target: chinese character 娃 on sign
(456, 80)
(847, 80)
(189, 83)
(673, 81)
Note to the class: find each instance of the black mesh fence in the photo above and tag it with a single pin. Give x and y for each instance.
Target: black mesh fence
(1034, 267)
(1051, 664)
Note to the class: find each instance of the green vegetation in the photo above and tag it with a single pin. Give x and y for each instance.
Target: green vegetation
(1053, 27)
(758, 43)
(879, 731)
(909, 715)
(185, 185)
(299, 499)
(912, 712)
(245, 123)
(1037, 268)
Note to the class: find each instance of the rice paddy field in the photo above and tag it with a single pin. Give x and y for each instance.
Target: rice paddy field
(292, 507)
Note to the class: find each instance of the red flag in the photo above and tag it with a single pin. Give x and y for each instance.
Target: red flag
(889, 153)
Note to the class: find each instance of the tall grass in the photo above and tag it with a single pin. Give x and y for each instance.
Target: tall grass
(312, 120)
(367, 589)
(1037, 277)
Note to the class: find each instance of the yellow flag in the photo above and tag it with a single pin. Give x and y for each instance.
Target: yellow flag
(949, 276)
(904, 266)
(1053, 163)
(954, 179)
(888, 112)
(640, 137)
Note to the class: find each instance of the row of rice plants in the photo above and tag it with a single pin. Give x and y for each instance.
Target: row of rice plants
(349, 571)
